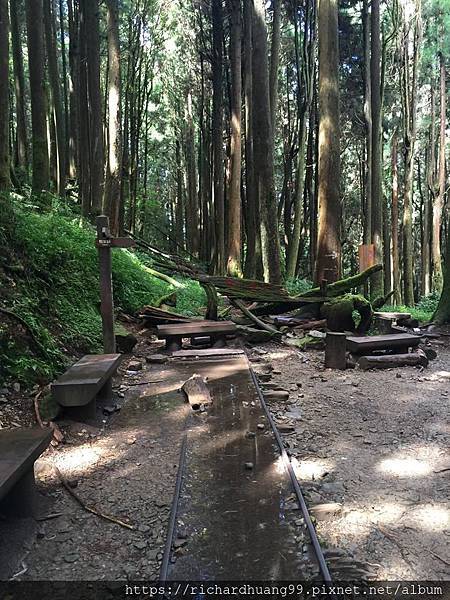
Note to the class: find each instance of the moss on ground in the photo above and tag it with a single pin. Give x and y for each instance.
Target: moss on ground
(49, 277)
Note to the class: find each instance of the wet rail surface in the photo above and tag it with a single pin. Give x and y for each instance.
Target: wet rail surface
(236, 516)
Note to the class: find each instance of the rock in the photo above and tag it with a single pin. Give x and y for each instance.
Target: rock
(319, 335)
(261, 426)
(71, 558)
(110, 409)
(144, 528)
(250, 434)
(16, 387)
(125, 343)
(324, 512)
(140, 545)
(157, 359)
(3, 400)
(335, 488)
(135, 365)
(285, 428)
(248, 466)
(4, 391)
(179, 542)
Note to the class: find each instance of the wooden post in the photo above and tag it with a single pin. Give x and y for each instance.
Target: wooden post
(335, 351)
(106, 291)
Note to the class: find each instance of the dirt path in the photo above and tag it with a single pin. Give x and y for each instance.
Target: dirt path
(377, 443)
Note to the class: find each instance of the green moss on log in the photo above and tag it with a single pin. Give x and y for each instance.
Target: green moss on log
(339, 313)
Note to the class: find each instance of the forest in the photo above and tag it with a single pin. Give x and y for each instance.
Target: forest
(224, 297)
(284, 141)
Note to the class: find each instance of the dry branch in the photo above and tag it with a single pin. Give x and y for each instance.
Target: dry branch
(87, 508)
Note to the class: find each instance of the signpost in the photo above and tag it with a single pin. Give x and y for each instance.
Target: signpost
(105, 242)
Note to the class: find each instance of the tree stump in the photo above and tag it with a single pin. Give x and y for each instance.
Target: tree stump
(335, 351)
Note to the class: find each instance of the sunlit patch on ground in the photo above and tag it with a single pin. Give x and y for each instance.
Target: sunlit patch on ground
(405, 467)
(311, 469)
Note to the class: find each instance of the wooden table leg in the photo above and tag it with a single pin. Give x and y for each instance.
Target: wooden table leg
(174, 343)
(21, 501)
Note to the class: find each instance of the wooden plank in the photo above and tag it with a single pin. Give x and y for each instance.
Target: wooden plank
(392, 315)
(19, 448)
(199, 328)
(381, 342)
(206, 352)
(81, 383)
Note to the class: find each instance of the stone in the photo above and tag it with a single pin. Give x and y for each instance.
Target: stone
(157, 359)
(249, 466)
(140, 545)
(335, 487)
(286, 428)
(3, 400)
(135, 365)
(110, 409)
(261, 426)
(179, 542)
(125, 343)
(324, 512)
(71, 558)
(16, 387)
(250, 434)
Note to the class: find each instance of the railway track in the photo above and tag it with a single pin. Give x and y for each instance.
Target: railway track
(321, 567)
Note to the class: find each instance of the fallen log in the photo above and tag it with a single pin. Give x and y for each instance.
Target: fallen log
(197, 392)
(302, 324)
(391, 361)
(156, 316)
(255, 336)
(255, 320)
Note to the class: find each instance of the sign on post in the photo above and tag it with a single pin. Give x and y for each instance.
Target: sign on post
(104, 244)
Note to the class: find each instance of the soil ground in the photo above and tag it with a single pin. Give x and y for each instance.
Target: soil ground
(376, 443)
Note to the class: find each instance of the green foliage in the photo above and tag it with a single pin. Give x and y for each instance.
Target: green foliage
(423, 311)
(191, 299)
(55, 291)
(297, 286)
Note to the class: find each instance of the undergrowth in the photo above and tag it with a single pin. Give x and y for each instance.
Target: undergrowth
(423, 311)
(49, 278)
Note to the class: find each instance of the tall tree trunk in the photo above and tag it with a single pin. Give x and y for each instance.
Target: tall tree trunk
(73, 85)
(192, 224)
(111, 201)
(217, 135)
(19, 88)
(394, 224)
(253, 258)
(368, 126)
(376, 283)
(84, 177)
(55, 86)
(328, 266)
(305, 79)
(409, 92)
(439, 200)
(91, 13)
(35, 31)
(274, 62)
(234, 204)
(4, 97)
(65, 79)
(263, 148)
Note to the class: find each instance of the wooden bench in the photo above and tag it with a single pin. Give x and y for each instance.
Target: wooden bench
(19, 448)
(397, 342)
(385, 321)
(216, 331)
(79, 387)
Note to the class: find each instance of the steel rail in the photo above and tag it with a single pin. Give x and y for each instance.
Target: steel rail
(163, 572)
(298, 492)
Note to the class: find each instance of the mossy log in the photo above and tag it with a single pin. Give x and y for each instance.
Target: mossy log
(339, 313)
